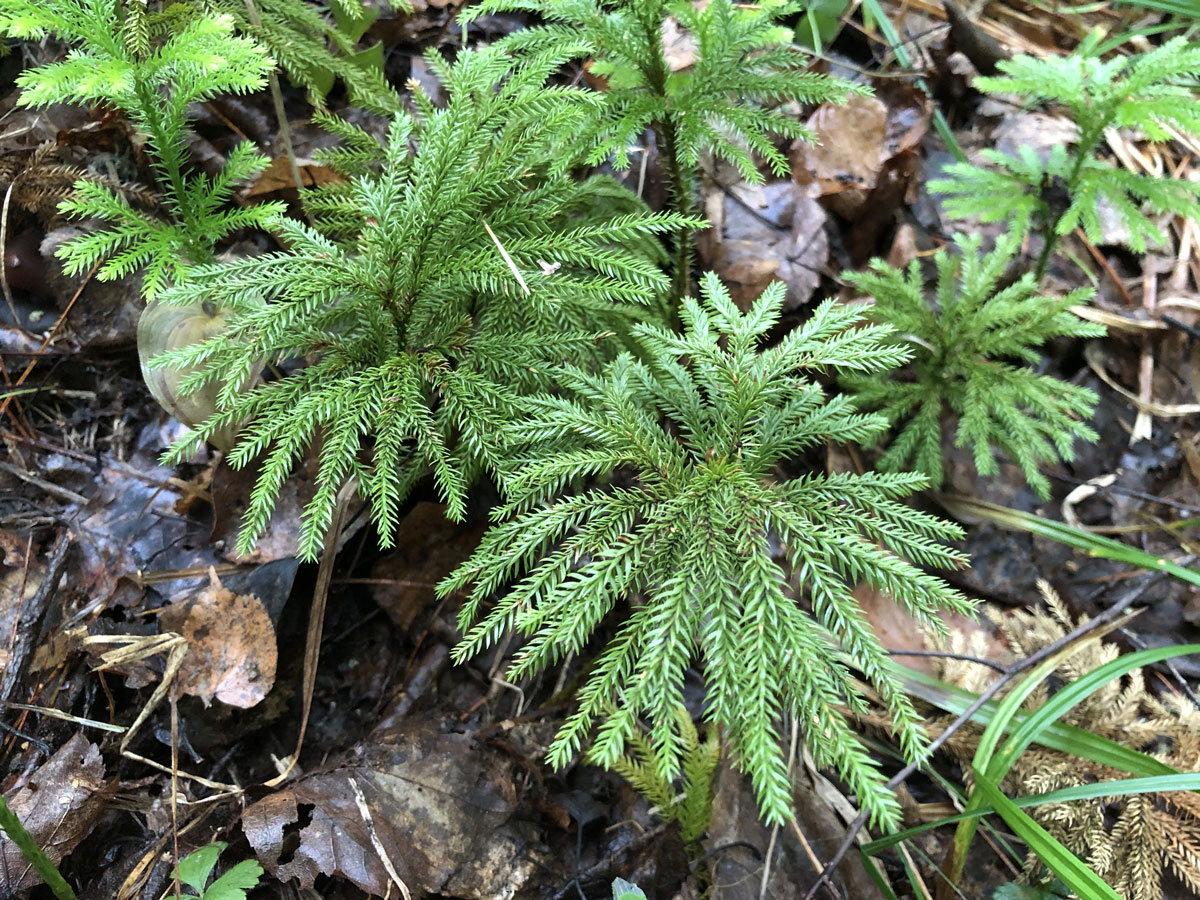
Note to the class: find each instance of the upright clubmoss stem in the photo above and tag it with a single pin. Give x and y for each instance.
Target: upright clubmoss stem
(1085, 147)
(681, 193)
(669, 156)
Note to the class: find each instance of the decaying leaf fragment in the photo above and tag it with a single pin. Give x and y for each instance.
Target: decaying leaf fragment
(57, 805)
(437, 816)
(232, 654)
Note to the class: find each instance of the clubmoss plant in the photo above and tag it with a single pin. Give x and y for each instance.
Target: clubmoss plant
(314, 51)
(700, 424)
(1154, 93)
(974, 347)
(460, 276)
(691, 805)
(151, 77)
(723, 103)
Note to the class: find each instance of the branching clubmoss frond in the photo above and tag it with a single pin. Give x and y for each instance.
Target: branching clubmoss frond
(702, 423)
(725, 103)
(153, 83)
(973, 349)
(313, 51)
(691, 805)
(456, 278)
(1152, 93)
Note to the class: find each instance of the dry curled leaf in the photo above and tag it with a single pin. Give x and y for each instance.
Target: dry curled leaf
(57, 806)
(762, 233)
(855, 142)
(231, 646)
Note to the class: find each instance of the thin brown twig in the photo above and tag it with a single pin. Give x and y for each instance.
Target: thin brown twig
(285, 131)
(316, 621)
(49, 337)
(1107, 617)
(966, 657)
(175, 793)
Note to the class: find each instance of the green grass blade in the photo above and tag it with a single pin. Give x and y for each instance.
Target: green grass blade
(1072, 695)
(1058, 736)
(873, 9)
(885, 888)
(1074, 873)
(1093, 544)
(990, 740)
(33, 853)
(1185, 8)
(1156, 784)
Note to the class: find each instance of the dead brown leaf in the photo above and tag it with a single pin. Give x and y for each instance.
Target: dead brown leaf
(57, 805)
(794, 865)
(19, 581)
(231, 646)
(679, 46)
(428, 548)
(439, 806)
(278, 177)
(897, 630)
(854, 142)
(764, 233)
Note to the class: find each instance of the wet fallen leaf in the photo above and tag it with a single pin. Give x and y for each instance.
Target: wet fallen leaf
(679, 46)
(854, 141)
(19, 581)
(129, 523)
(428, 547)
(1040, 132)
(57, 805)
(763, 233)
(14, 549)
(231, 489)
(231, 646)
(439, 806)
(107, 315)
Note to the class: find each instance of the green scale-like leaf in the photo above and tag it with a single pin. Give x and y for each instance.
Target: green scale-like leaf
(702, 423)
(404, 294)
(972, 352)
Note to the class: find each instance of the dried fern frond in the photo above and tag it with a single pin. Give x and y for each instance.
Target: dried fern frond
(1132, 840)
(40, 181)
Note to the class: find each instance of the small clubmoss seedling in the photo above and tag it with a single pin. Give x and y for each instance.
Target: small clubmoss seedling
(152, 78)
(1152, 93)
(725, 102)
(974, 347)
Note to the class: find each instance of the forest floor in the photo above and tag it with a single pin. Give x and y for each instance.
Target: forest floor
(416, 770)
